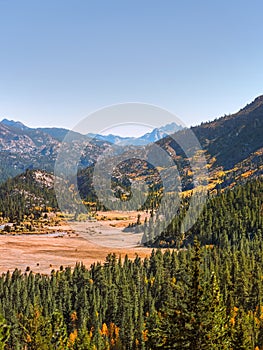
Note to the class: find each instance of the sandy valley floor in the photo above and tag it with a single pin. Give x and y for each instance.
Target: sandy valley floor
(91, 242)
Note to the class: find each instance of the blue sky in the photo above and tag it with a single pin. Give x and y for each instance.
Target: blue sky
(62, 60)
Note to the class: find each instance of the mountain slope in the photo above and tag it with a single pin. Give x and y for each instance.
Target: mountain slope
(15, 124)
(34, 188)
(24, 148)
(228, 217)
(232, 144)
(233, 138)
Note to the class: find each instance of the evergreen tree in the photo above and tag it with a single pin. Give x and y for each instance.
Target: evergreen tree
(4, 333)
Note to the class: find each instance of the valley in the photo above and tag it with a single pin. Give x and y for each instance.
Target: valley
(131, 175)
(168, 275)
(69, 243)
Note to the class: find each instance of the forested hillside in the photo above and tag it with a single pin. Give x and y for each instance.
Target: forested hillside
(206, 292)
(206, 295)
(226, 218)
(209, 298)
(25, 193)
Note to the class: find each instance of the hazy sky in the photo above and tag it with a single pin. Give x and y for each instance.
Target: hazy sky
(62, 60)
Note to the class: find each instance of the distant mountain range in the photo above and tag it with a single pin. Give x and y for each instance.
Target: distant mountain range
(22, 147)
(153, 136)
(233, 146)
(60, 133)
(56, 133)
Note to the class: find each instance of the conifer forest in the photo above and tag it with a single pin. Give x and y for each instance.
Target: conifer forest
(204, 293)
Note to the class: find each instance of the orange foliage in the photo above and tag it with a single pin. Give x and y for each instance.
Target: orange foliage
(247, 173)
(73, 316)
(112, 332)
(104, 330)
(73, 337)
(144, 335)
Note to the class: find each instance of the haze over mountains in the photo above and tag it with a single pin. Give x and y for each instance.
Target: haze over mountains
(153, 136)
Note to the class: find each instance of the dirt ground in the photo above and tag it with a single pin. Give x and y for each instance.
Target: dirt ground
(91, 242)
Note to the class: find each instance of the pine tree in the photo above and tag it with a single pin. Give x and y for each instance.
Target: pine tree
(4, 332)
(197, 319)
(59, 331)
(36, 330)
(241, 330)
